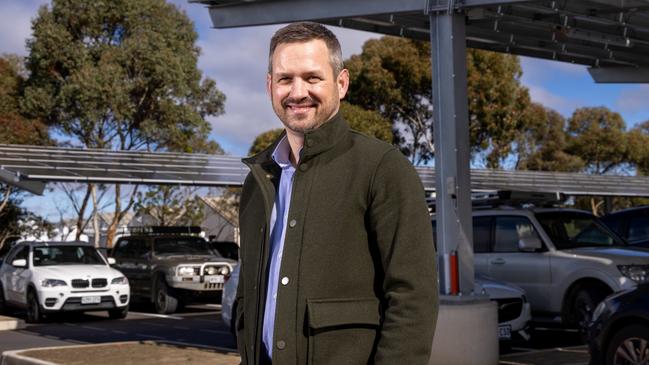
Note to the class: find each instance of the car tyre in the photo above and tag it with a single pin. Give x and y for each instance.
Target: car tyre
(629, 345)
(118, 313)
(165, 302)
(34, 310)
(583, 305)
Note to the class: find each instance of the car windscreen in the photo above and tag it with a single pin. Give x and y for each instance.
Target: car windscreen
(183, 246)
(575, 229)
(66, 255)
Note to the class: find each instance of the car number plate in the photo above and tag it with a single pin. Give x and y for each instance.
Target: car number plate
(218, 279)
(90, 300)
(505, 332)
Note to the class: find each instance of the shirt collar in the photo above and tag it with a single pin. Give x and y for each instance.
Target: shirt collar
(282, 153)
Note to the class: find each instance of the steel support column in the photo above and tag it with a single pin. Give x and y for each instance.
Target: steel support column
(452, 154)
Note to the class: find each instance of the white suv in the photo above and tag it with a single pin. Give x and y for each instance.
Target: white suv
(61, 276)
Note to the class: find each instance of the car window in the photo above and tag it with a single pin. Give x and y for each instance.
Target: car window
(66, 255)
(576, 229)
(638, 229)
(510, 230)
(183, 246)
(481, 234)
(130, 248)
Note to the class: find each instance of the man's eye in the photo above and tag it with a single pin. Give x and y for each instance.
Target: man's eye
(314, 79)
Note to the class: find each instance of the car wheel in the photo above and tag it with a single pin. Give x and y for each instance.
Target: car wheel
(629, 346)
(165, 303)
(583, 305)
(118, 313)
(34, 310)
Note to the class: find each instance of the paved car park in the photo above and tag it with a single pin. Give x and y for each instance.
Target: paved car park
(202, 326)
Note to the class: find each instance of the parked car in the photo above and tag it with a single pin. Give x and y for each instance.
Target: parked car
(227, 249)
(171, 267)
(51, 277)
(513, 308)
(632, 224)
(566, 260)
(619, 331)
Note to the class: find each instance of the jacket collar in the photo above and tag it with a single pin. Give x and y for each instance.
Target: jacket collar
(316, 141)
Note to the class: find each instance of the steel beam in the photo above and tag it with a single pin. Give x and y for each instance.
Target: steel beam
(251, 13)
(622, 75)
(12, 179)
(452, 154)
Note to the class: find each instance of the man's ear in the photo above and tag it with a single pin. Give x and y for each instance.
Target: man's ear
(269, 81)
(342, 81)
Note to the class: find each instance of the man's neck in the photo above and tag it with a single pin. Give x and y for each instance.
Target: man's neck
(296, 141)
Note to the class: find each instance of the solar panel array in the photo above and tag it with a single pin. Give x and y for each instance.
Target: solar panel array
(608, 35)
(26, 164)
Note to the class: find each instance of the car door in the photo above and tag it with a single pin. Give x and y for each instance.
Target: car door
(529, 270)
(482, 238)
(127, 254)
(16, 279)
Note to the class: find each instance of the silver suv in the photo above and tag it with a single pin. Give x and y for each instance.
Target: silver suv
(566, 260)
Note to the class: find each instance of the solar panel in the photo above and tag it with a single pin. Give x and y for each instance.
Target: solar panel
(28, 167)
(610, 36)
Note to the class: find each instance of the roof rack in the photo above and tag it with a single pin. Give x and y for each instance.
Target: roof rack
(524, 199)
(153, 230)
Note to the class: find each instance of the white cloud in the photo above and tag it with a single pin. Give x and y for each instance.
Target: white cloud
(634, 100)
(559, 103)
(15, 24)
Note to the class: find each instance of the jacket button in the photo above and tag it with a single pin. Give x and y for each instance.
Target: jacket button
(304, 167)
(281, 345)
(309, 142)
(285, 280)
(292, 223)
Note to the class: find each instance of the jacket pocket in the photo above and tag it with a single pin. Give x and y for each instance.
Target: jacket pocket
(343, 331)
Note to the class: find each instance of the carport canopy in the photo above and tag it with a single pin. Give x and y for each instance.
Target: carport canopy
(31, 167)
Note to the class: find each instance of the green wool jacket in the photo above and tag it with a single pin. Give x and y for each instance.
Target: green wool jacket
(359, 279)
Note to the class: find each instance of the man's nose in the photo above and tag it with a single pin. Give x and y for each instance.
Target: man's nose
(299, 89)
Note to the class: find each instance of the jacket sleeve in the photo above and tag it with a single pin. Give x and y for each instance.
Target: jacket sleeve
(238, 315)
(400, 225)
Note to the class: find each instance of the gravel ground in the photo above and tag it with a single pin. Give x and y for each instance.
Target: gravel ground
(134, 353)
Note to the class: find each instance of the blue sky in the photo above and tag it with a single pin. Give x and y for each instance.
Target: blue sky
(237, 60)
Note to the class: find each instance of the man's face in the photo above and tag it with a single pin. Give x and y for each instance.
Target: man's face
(303, 88)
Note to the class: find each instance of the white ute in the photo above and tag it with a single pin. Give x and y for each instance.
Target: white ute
(49, 277)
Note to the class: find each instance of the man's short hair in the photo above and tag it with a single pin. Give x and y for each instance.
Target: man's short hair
(304, 32)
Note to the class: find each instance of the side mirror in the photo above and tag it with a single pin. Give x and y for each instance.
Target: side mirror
(529, 244)
(111, 261)
(22, 263)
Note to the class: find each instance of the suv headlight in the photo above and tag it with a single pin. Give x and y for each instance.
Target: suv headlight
(50, 283)
(186, 271)
(122, 280)
(637, 273)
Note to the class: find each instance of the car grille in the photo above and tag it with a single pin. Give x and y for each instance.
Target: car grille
(99, 283)
(213, 286)
(84, 283)
(80, 283)
(509, 309)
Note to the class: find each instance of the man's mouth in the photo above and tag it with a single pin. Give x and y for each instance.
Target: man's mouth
(300, 108)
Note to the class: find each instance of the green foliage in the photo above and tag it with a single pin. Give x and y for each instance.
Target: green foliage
(367, 121)
(542, 147)
(264, 141)
(15, 128)
(119, 74)
(170, 206)
(393, 77)
(598, 136)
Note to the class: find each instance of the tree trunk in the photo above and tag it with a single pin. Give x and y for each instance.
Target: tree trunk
(95, 218)
(82, 211)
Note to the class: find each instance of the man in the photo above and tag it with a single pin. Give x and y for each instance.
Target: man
(338, 264)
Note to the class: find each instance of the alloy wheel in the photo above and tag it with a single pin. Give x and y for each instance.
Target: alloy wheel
(632, 351)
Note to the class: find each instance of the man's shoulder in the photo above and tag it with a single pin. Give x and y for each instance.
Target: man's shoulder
(369, 144)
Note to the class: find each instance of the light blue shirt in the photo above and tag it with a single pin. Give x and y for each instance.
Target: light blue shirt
(278, 218)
